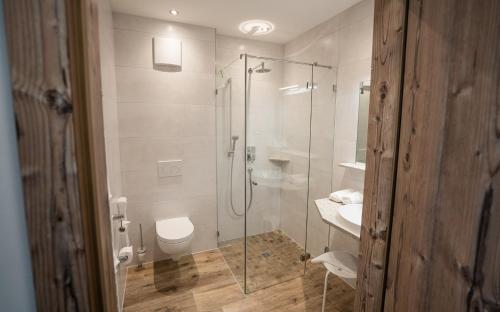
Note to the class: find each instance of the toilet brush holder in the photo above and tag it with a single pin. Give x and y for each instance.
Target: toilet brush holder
(141, 256)
(141, 252)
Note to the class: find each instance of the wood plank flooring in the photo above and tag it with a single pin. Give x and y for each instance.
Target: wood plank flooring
(204, 282)
(272, 259)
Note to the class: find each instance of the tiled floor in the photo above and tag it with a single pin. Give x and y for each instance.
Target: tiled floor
(204, 282)
(272, 258)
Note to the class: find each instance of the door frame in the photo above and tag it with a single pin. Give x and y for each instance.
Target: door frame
(384, 122)
(69, 57)
(54, 61)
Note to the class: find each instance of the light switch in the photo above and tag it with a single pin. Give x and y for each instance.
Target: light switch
(169, 168)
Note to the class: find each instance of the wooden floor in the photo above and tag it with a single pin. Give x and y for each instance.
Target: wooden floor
(272, 259)
(204, 282)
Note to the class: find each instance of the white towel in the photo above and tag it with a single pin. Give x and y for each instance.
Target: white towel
(352, 198)
(337, 196)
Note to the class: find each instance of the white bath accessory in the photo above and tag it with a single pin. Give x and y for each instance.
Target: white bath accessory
(337, 196)
(124, 224)
(120, 218)
(141, 251)
(341, 263)
(167, 54)
(141, 256)
(126, 255)
(122, 205)
(174, 236)
(352, 198)
(352, 213)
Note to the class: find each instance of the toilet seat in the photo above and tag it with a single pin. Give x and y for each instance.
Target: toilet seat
(173, 231)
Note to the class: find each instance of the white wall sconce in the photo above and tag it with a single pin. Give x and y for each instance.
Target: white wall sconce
(167, 54)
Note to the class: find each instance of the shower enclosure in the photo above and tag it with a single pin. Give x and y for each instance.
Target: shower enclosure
(265, 155)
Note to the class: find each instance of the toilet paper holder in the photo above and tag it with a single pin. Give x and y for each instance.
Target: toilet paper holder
(122, 258)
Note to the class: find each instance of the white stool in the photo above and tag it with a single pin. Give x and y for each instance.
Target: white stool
(341, 263)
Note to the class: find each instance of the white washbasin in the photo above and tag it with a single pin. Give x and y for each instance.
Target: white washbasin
(352, 213)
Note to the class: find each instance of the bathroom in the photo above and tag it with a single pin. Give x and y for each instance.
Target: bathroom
(229, 155)
(225, 136)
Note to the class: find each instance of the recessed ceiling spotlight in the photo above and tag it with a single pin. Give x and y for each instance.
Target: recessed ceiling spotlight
(256, 27)
(174, 12)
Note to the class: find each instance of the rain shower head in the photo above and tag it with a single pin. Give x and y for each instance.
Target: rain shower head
(262, 69)
(259, 69)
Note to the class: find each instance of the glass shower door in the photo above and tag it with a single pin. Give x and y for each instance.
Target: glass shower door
(230, 121)
(277, 147)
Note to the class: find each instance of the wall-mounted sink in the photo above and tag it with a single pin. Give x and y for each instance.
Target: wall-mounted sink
(352, 213)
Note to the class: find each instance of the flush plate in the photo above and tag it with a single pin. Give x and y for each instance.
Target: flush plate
(169, 168)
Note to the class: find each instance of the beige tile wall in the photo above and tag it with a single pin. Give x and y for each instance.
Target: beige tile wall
(345, 42)
(165, 116)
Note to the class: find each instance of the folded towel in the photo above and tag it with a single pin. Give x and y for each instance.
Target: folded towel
(337, 196)
(352, 198)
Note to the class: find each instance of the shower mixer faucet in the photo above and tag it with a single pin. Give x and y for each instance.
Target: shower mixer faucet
(250, 154)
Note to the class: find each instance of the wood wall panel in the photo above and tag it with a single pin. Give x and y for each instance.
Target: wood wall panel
(53, 52)
(90, 150)
(381, 157)
(43, 109)
(444, 253)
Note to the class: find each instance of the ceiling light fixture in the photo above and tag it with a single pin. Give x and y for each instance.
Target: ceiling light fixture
(256, 27)
(174, 12)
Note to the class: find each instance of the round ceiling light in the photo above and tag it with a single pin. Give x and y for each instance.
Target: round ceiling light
(174, 12)
(256, 27)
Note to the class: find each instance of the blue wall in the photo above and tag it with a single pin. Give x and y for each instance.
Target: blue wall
(16, 280)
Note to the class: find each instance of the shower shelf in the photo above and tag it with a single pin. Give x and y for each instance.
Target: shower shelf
(292, 153)
(279, 159)
(356, 165)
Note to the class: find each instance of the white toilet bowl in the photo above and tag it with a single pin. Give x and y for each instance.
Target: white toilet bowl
(174, 236)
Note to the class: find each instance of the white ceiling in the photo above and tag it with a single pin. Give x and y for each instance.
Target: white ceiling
(290, 17)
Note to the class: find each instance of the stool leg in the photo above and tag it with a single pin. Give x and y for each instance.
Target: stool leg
(324, 290)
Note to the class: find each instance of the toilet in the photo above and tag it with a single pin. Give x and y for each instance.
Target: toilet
(174, 236)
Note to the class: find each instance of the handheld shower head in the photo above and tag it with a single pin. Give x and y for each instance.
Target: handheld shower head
(234, 138)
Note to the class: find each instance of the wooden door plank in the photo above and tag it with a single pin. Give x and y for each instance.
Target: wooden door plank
(53, 53)
(444, 248)
(43, 108)
(383, 126)
(90, 150)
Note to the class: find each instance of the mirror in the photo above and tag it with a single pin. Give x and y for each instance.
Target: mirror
(364, 103)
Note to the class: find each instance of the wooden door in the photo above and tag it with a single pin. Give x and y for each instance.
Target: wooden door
(445, 250)
(53, 53)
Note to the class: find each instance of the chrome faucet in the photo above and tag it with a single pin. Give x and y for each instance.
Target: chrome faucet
(119, 216)
(122, 258)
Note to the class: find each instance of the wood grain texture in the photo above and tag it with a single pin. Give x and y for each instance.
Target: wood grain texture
(43, 103)
(57, 98)
(90, 151)
(444, 253)
(383, 126)
(204, 282)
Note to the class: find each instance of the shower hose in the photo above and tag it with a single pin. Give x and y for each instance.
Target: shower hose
(231, 189)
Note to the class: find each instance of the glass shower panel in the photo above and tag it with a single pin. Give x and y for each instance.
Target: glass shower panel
(230, 121)
(278, 107)
(322, 148)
